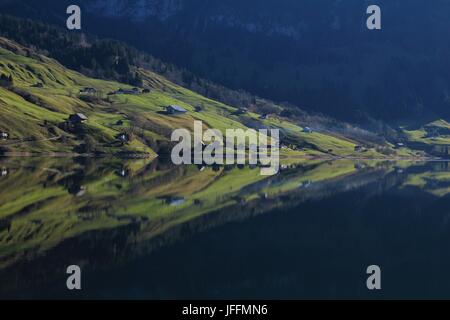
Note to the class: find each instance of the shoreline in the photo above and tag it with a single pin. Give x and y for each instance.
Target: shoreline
(151, 157)
(75, 155)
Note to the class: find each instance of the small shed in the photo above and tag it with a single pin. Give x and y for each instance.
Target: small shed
(307, 130)
(174, 109)
(77, 118)
(4, 172)
(123, 172)
(4, 135)
(123, 137)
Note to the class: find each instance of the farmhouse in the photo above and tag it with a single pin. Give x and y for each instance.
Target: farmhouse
(241, 111)
(77, 190)
(77, 118)
(175, 201)
(88, 90)
(38, 85)
(174, 109)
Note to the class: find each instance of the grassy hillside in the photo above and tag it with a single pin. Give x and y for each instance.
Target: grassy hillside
(43, 96)
(434, 133)
(45, 93)
(434, 138)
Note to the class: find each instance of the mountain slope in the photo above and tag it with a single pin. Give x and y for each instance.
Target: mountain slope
(315, 54)
(44, 94)
(33, 115)
(434, 138)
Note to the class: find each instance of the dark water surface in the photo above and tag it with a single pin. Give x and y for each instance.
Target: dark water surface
(153, 231)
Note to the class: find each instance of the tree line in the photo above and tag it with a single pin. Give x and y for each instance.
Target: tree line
(115, 60)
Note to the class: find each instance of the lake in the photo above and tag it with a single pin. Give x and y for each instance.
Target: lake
(150, 230)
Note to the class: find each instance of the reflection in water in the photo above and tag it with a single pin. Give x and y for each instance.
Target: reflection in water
(152, 230)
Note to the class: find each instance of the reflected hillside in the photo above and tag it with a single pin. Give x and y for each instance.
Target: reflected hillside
(55, 212)
(435, 181)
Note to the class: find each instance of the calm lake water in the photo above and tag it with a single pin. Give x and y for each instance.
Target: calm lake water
(149, 230)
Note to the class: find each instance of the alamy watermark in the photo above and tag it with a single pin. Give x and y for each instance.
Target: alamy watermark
(374, 280)
(239, 146)
(374, 20)
(74, 20)
(74, 280)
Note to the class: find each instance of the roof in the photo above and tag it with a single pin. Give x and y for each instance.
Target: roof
(81, 116)
(87, 90)
(122, 135)
(176, 201)
(177, 108)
